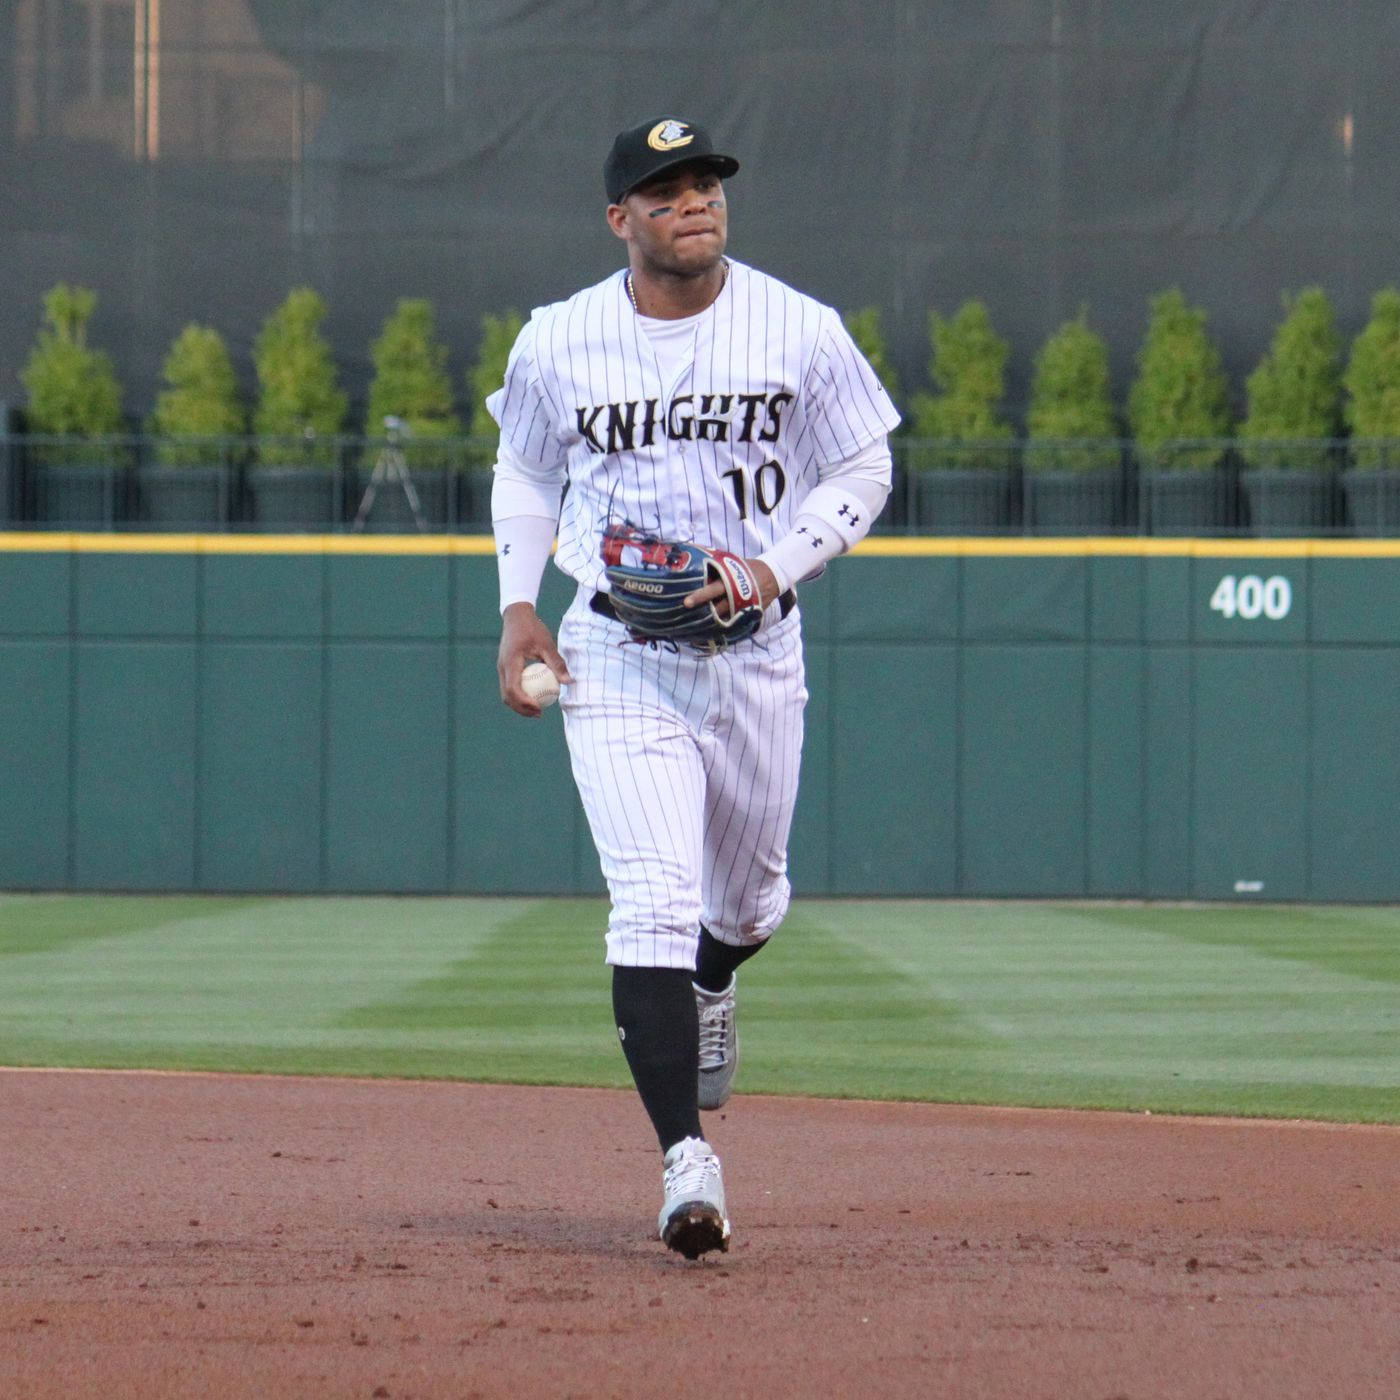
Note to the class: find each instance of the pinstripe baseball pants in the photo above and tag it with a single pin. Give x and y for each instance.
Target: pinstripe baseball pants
(687, 767)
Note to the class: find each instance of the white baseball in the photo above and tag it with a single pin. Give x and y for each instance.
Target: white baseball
(539, 683)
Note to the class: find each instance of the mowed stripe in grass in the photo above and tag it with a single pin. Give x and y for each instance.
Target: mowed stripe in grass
(222, 983)
(1195, 1009)
(1228, 1009)
(531, 1003)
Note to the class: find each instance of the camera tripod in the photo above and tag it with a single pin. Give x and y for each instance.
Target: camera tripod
(390, 467)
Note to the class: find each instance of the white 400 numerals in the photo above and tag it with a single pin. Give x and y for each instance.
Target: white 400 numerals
(1251, 597)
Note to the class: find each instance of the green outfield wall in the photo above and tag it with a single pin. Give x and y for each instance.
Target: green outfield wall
(1050, 717)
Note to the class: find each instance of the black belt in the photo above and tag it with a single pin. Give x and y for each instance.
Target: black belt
(602, 604)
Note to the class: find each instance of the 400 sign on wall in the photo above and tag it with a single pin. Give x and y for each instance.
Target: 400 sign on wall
(1251, 597)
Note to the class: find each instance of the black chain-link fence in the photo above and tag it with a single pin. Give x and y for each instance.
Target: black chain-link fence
(1110, 487)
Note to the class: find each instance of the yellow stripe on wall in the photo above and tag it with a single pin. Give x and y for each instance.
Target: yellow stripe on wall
(880, 546)
(890, 546)
(58, 541)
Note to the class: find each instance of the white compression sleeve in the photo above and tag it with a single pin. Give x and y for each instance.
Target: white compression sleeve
(524, 515)
(835, 515)
(523, 543)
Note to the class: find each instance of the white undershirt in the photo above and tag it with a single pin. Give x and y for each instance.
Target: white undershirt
(673, 341)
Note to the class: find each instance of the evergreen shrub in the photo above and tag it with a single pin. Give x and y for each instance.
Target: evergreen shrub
(968, 371)
(1070, 420)
(199, 403)
(1293, 396)
(1372, 384)
(72, 387)
(411, 383)
(1181, 394)
(301, 407)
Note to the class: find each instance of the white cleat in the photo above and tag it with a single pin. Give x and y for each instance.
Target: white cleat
(692, 1221)
(719, 1044)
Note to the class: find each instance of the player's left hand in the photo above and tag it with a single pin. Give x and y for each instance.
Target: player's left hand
(681, 593)
(768, 589)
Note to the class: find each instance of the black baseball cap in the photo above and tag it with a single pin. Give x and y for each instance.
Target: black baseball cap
(644, 152)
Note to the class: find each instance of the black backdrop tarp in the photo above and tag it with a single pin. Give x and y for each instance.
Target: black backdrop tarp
(1040, 154)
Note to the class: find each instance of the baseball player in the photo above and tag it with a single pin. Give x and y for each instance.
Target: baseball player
(721, 439)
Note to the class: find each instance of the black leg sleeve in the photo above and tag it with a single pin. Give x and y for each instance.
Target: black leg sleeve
(657, 1023)
(715, 962)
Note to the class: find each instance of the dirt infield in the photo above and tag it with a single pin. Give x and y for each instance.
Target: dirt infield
(183, 1235)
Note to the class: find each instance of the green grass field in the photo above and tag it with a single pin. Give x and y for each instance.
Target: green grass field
(1277, 1011)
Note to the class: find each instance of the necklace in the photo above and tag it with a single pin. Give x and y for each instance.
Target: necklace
(632, 296)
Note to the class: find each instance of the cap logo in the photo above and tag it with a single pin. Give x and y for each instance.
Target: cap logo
(667, 135)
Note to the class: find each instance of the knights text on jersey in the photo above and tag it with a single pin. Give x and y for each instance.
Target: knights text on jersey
(724, 451)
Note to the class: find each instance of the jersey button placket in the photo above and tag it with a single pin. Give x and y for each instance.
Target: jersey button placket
(682, 459)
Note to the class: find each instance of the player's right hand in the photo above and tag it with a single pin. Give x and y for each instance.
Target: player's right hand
(525, 638)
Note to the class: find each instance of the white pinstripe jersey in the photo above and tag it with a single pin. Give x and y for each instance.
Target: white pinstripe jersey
(724, 452)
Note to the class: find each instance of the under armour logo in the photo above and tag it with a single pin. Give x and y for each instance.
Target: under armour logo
(849, 513)
(505, 549)
(816, 539)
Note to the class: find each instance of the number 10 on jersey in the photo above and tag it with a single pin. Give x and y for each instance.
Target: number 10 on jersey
(765, 488)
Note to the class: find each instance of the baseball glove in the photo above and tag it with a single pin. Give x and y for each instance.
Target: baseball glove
(649, 579)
